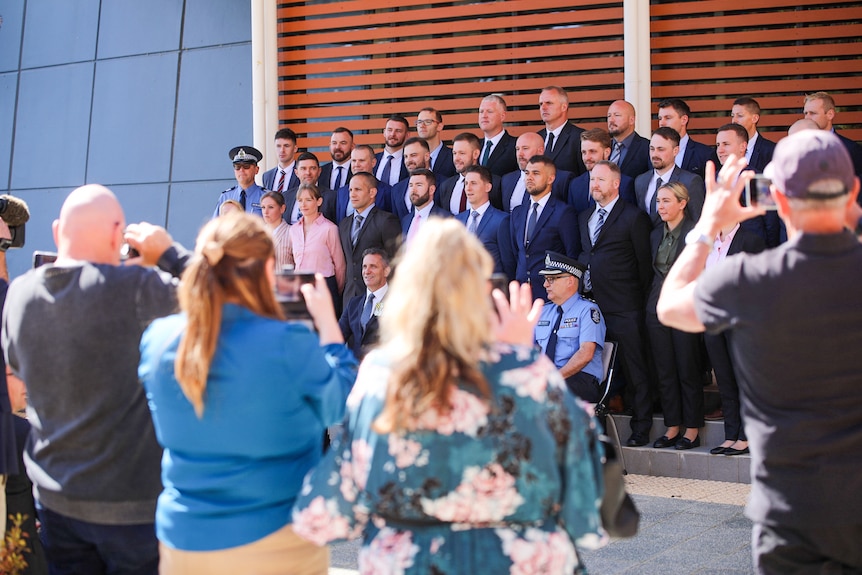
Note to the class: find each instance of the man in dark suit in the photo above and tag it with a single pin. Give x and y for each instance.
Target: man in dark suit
(308, 172)
(417, 156)
(369, 227)
(513, 188)
(758, 151)
(820, 108)
(421, 187)
(282, 177)
(390, 162)
(465, 153)
(337, 173)
(561, 138)
(498, 148)
(361, 160)
(359, 323)
(595, 147)
(693, 156)
(546, 224)
(483, 219)
(664, 147)
(429, 124)
(616, 250)
(630, 150)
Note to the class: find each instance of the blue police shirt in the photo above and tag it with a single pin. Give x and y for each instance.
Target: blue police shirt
(252, 199)
(582, 322)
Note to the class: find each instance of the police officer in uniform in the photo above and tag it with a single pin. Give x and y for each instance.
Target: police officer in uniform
(246, 191)
(571, 330)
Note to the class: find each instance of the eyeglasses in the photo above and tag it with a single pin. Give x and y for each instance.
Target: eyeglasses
(551, 279)
(425, 122)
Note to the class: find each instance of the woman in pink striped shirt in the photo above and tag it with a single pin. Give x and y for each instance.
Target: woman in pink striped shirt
(314, 244)
(272, 208)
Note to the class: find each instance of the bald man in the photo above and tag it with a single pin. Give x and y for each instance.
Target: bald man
(512, 185)
(71, 330)
(630, 150)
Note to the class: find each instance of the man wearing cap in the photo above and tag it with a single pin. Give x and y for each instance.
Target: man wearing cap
(571, 330)
(246, 191)
(794, 332)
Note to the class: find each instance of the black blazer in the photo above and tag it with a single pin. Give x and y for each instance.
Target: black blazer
(394, 200)
(342, 199)
(620, 261)
(655, 237)
(359, 340)
(502, 201)
(696, 156)
(488, 231)
(436, 212)
(745, 241)
(502, 159)
(443, 195)
(762, 154)
(326, 174)
(270, 175)
(444, 167)
(580, 198)
(328, 208)
(567, 149)
(637, 159)
(692, 182)
(380, 230)
(404, 172)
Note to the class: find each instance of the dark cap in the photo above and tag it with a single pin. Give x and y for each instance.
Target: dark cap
(245, 155)
(811, 164)
(556, 264)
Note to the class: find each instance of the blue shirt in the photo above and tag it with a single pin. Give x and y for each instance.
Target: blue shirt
(582, 322)
(231, 477)
(252, 199)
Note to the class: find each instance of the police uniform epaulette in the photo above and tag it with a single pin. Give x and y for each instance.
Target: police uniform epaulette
(229, 189)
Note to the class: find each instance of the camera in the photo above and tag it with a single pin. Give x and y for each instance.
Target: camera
(758, 194)
(289, 295)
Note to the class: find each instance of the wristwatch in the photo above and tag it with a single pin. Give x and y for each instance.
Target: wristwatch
(695, 236)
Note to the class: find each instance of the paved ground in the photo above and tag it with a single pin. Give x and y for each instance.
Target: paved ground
(687, 526)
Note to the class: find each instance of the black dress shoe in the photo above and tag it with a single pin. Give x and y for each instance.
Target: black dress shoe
(718, 450)
(637, 440)
(686, 443)
(665, 441)
(732, 451)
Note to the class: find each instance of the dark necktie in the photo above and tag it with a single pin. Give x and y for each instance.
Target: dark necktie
(357, 225)
(653, 205)
(551, 348)
(280, 187)
(462, 205)
(367, 310)
(387, 170)
(602, 213)
(242, 198)
(617, 153)
(338, 171)
(550, 142)
(487, 153)
(474, 217)
(531, 223)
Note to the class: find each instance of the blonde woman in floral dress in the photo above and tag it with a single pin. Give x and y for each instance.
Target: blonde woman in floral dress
(463, 451)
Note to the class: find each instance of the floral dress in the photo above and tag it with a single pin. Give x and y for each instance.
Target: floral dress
(506, 486)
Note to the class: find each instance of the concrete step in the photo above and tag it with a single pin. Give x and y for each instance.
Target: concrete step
(695, 463)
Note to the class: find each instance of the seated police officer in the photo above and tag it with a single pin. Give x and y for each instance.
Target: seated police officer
(571, 330)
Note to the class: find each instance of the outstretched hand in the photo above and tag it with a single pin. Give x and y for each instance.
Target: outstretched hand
(721, 208)
(518, 316)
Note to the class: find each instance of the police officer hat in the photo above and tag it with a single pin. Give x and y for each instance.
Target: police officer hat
(556, 264)
(245, 155)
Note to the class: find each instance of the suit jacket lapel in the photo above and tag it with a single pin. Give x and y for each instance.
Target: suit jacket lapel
(612, 217)
(546, 213)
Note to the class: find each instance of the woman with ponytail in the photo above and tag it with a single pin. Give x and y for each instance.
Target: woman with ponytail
(240, 399)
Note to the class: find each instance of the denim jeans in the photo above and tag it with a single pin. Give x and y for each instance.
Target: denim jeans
(74, 546)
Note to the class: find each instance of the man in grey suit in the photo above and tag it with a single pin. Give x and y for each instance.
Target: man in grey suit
(663, 148)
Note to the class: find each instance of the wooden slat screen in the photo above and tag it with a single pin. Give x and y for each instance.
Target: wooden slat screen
(711, 52)
(356, 62)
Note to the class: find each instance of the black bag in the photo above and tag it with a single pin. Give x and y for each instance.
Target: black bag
(620, 516)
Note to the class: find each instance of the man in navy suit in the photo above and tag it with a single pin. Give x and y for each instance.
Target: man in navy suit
(359, 323)
(758, 152)
(337, 173)
(820, 108)
(429, 124)
(282, 177)
(546, 224)
(483, 219)
(498, 148)
(361, 160)
(630, 150)
(390, 162)
(664, 147)
(308, 172)
(561, 138)
(513, 188)
(421, 187)
(417, 156)
(616, 251)
(595, 147)
(693, 156)
(465, 153)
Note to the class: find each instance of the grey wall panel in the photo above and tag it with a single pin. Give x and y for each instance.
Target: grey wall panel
(129, 27)
(8, 84)
(44, 209)
(191, 206)
(212, 22)
(130, 135)
(143, 203)
(10, 34)
(52, 124)
(214, 111)
(59, 32)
